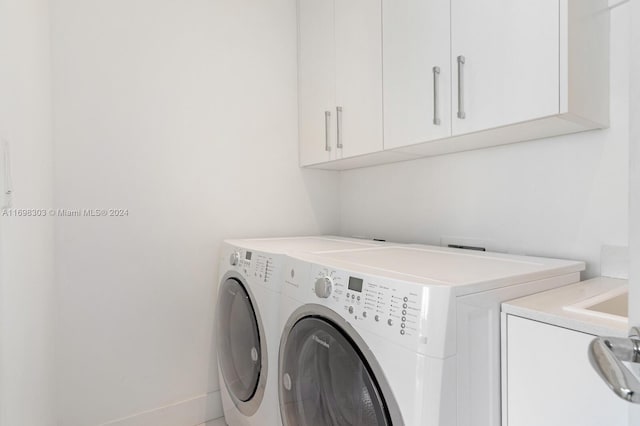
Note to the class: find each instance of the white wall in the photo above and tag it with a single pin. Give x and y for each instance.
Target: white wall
(26, 244)
(184, 113)
(561, 197)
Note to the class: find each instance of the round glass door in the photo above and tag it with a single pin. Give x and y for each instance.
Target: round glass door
(324, 379)
(239, 350)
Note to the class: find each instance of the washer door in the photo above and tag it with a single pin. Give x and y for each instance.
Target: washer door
(325, 379)
(240, 353)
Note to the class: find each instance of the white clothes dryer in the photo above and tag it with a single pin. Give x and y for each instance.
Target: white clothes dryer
(250, 277)
(400, 335)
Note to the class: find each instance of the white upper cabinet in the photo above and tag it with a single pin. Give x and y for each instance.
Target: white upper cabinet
(358, 76)
(417, 72)
(316, 81)
(505, 58)
(339, 79)
(456, 75)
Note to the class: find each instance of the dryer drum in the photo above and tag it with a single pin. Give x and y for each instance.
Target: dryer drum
(239, 340)
(328, 379)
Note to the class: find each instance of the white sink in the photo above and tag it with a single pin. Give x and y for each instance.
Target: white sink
(612, 305)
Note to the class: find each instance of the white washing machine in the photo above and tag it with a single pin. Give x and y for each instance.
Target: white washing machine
(250, 277)
(400, 335)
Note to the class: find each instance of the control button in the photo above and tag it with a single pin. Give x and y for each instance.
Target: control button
(350, 309)
(404, 319)
(404, 312)
(364, 314)
(353, 296)
(406, 299)
(390, 321)
(234, 258)
(377, 318)
(402, 332)
(403, 325)
(358, 297)
(323, 287)
(404, 305)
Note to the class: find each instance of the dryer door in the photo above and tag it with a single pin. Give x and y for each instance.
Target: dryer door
(240, 352)
(326, 380)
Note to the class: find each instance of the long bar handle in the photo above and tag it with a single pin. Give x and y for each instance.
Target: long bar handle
(327, 130)
(339, 125)
(607, 355)
(436, 96)
(461, 61)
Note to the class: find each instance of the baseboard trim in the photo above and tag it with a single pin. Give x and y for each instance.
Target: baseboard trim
(190, 412)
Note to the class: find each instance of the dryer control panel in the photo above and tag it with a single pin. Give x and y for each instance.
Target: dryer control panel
(259, 267)
(396, 310)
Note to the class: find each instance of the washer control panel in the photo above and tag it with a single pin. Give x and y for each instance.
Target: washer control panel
(255, 265)
(386, 307)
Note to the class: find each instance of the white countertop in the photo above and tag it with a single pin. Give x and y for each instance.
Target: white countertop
(465, 271)
(548, 307)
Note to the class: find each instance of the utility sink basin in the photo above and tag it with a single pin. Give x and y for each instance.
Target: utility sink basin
(612, 305)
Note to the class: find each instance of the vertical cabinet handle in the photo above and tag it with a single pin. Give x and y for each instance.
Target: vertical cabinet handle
(436, 95)
(339, 124)
(461, 62)
(327, 130)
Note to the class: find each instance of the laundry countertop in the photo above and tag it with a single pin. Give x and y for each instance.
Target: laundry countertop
(551, 307)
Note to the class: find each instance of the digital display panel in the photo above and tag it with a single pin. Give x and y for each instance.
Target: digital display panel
(355, 284)
(248, 255)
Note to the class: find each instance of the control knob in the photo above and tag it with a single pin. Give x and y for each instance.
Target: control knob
(323, 287)
(234, 258)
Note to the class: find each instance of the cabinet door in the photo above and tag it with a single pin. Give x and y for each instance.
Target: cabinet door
(358, 47)
(550, 381)
(511, 63)
(417, 72)
(316, 81)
